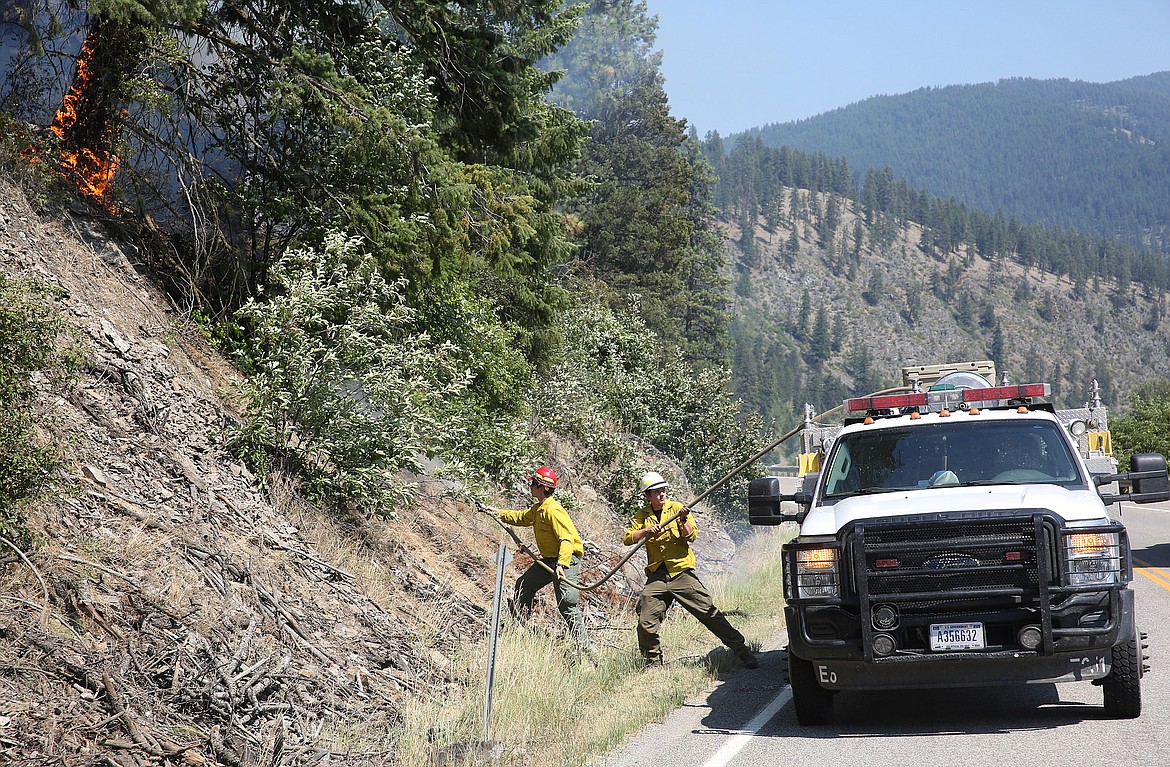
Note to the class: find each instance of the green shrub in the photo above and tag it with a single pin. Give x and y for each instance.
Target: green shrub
(342, 387)
(351, 386)
(614, 380)
(1146, 427)
(34, 342)
(485, 434)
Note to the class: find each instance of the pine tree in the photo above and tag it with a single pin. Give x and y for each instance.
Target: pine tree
(800, 325)
(820, 345)
(987, 318)
(644, 219)
(707, 314)
(791, 248)
(875, 288)
(997, 347)
(858, 242)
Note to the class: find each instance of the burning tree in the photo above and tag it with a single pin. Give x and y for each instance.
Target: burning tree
(86, 122)
(91, 113)
(240, 128)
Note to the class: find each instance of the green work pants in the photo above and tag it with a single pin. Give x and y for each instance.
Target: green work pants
(535, 578)
(660, 593)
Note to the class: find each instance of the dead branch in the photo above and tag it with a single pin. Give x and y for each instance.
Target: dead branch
(306, 555)
(44, 589)
(88, 563)
(143, 739)
(41, 608)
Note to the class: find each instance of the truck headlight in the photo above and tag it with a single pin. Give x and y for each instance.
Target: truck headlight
(1093, 558)
(817, 573)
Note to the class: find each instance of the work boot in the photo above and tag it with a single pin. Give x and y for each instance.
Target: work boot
(651, 661)
(747, 658)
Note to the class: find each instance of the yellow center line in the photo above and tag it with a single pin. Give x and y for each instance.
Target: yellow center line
(1153, 573)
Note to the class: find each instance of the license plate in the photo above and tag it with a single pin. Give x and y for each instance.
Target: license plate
(956, 636)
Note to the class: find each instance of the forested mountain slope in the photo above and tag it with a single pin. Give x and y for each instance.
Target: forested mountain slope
(819, 317)
(1089, 156)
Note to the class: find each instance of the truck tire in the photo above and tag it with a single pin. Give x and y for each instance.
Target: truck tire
(1123, 685)
(813, 703)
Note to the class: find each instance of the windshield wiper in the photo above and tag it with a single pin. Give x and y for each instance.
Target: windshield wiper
(869, 491)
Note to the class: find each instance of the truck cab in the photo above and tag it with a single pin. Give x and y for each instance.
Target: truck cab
(957, 534)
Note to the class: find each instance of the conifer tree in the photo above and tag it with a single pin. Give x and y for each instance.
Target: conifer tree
(820, 345)
(644, 219)
(791, 248)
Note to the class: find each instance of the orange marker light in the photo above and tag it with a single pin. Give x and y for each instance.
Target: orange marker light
(1091, 543)
(817, 559)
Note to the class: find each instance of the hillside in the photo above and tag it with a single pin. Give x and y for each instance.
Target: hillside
(176, 609)
(818, 322)
(1089, 156)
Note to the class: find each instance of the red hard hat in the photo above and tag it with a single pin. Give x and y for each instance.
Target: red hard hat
(545, 477)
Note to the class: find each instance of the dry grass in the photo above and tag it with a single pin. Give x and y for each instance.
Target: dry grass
(372, 550)
(550, 709)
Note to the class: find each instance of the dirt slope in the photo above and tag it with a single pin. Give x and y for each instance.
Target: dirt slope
(174, 610)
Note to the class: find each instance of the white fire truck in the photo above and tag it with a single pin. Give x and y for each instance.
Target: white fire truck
(958, 534)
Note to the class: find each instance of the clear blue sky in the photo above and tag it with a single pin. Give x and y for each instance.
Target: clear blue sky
(737, 64)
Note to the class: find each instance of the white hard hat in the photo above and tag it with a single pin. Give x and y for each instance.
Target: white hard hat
(651, 480)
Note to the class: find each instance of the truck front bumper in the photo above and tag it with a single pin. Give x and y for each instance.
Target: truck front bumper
(831, 638)
(962, 670)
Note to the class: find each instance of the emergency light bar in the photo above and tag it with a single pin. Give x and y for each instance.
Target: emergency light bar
(886, 402)
(941, 398)
(999, 393)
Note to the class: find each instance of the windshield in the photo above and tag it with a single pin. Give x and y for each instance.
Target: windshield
(948, 455)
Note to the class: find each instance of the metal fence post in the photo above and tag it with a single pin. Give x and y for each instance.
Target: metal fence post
(502, 559)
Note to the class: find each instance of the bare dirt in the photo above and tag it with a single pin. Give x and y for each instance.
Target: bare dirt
(177, 610)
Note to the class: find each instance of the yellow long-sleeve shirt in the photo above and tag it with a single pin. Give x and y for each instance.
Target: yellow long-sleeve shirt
(672, 546)
(556, 535)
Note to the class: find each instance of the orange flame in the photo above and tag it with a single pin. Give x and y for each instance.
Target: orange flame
(91, 168)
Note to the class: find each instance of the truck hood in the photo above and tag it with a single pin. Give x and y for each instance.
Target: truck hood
(1073, 505)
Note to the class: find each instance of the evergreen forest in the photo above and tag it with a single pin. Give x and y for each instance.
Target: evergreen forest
(1092, 157)
(838, 284)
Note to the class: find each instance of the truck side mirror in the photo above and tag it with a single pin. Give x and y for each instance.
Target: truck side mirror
(1147, 480)
(764, 499)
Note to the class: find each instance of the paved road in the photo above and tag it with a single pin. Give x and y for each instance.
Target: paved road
(747, 720)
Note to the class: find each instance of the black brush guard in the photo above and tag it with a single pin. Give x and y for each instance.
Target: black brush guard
(955, 567)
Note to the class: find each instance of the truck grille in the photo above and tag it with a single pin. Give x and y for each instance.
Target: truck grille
(963, 558)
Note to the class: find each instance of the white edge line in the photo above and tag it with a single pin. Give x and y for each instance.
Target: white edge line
(724, 755)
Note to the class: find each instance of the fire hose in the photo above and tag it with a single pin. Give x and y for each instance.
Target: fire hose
(686, 507)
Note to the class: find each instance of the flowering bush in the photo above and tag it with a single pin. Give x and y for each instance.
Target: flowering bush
(342, 387)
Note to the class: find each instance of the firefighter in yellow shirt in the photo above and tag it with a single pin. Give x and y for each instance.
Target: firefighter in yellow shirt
(560, 548)
(670, 573)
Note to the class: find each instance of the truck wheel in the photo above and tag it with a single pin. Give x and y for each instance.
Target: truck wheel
(1123, 685)
(813, 703)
